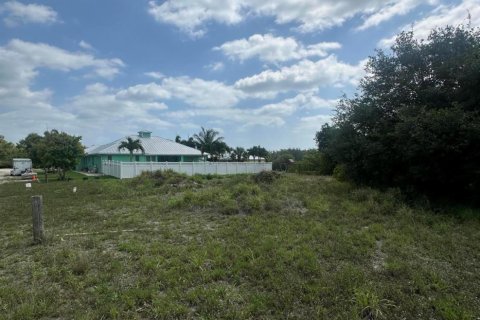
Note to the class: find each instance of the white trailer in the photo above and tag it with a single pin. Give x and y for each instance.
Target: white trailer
(21, 166)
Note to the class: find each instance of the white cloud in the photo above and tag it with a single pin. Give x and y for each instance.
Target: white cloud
(20, 62)
(35, 55)
(306, 126)
(148, 92)
(202, 93)
(305, 75)
(395, 8)
(100, 103)
(85, 45)
(274, 49)
(191, 16)
(18, 13)
(270, 115)
(216, 66)
(442, 16)
(24, 109)
(306, 100)
(155, 75)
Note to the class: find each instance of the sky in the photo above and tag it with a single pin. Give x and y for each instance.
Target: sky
(263, 73)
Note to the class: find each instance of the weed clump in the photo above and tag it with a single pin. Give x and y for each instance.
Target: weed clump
(266, 177)
(163, 177)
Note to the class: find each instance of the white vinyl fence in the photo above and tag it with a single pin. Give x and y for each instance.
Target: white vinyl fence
(124, 170)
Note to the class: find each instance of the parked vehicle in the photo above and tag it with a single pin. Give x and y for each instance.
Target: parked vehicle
(21, 166)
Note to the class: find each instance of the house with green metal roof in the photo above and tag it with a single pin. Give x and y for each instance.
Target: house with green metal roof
(157, 149)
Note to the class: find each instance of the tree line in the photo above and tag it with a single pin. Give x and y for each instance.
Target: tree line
(415, 123)
(209, 141)
(52, 150)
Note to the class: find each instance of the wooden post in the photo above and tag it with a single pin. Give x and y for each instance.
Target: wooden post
(37, 214)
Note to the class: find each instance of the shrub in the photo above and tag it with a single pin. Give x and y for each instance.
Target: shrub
(266, 176)
(340, 172)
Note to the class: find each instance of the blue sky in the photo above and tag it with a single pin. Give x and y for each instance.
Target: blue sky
(265, 73)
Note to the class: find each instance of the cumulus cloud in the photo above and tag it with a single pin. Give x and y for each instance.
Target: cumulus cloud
(20, 64)
(304, 75)
(441, 16)
(269, 115)
(274, 49)
(202, 93)
(17, 13)
(395, 8)
(191, 16)
(216, 66)
(35, 55)
(155, 75)
(85, 45)
(101, 103)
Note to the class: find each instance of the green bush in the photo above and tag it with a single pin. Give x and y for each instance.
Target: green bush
(340, 172)
(266, 177)
(314, 162)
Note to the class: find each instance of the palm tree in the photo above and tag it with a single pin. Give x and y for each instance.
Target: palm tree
(131, 145)
(239, 154)
(209, 141)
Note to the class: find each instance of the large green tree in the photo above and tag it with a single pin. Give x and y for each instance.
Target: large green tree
(239, 154)
(415, 123)
(29, 145)
(190, 142)
(59, 150)
(258, 152)
(131, 145)
(8, 151)
(209, 141)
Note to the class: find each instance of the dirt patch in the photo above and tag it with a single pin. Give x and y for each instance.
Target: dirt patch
(379, 257)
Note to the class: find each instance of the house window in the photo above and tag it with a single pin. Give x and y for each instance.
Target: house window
(169, 158)
(109, 158)
(137, 158)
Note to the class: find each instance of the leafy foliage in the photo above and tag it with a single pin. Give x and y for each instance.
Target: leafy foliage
(415, 123)
(315, 162)
(257, 152)
(209, 141)
(8, 151)
(239, 154)
(131, 145)
(59, 150)
(29, 146)
(190, 142)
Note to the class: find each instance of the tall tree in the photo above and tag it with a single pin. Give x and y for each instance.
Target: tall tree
(59, 150)
(239, 154)
(8, 151)
(210, 141)
(258, 152)
(29, 145)
(416, 122)
(131, 145)
(190, 142)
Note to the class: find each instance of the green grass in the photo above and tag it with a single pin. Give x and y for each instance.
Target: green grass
(297, 247)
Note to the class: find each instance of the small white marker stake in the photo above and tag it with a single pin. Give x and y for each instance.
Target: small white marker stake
(74, 189)
(28, 185)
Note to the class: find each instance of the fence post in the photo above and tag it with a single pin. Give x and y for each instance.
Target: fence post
(37, 215)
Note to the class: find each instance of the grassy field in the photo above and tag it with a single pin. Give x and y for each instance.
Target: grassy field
(297, 247)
